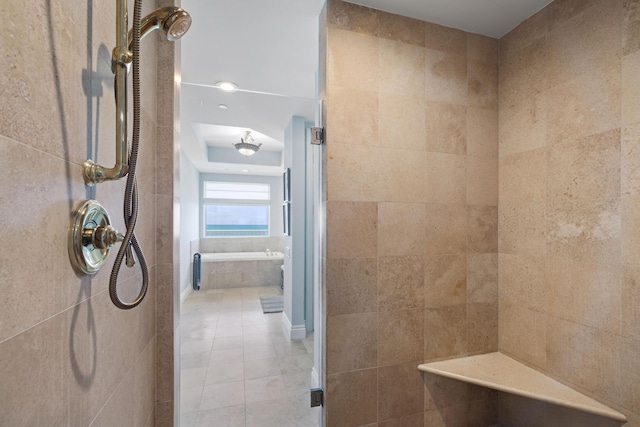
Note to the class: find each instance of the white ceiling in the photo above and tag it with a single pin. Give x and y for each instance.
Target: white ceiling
(270, 50)
(493, 18)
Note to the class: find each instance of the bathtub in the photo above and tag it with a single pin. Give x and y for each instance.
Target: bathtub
(222, 270)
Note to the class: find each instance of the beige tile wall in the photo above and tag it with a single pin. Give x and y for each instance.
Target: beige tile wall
(410, 192)
(168, 231)
(412, 196)
(67, 355)
(569, 179)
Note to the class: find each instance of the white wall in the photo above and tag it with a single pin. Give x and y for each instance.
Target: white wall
(189, 217)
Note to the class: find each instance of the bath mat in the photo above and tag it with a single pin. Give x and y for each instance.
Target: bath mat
(272, 304)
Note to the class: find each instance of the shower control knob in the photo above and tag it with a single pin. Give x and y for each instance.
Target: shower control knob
(103, 237)
(91, 236)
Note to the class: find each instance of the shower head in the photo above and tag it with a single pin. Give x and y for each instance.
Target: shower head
(175, 22)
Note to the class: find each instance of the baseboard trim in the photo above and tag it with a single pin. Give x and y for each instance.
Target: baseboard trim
(298, 332)
(293, 332)
(184, 294)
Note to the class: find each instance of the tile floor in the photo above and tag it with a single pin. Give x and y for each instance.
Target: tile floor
(237, 367)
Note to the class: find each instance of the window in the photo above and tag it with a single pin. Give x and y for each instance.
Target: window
(235, 209)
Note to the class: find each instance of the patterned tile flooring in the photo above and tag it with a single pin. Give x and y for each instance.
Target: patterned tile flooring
(238, 369)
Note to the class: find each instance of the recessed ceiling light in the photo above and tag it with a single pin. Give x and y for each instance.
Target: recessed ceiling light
(223, 106)
(245, 170)
(227, 86)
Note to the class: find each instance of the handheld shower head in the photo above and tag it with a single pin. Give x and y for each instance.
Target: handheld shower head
(175, 22)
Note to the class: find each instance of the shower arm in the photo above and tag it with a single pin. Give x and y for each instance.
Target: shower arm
(121, 60)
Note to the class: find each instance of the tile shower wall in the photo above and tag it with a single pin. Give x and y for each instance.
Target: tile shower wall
(569, 206)
(168, 232)
(67, 355)
(412, 215)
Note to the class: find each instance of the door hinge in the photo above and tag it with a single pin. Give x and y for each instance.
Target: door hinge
(316, 397)
(317, 135)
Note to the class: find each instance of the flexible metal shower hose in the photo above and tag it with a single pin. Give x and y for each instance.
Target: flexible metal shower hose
(131, 190)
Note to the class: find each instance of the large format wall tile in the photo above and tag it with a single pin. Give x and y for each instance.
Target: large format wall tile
(352, 342)
(33, 294)
(567, 191)
(402, 29)
(523, 126)
(631, 301)
(482, 278)
(482, 328)
(446, 178)
(412, 138)
(447, 127)
(530, 346)
(445, 280)
(574, 51)
(482, 133)
(583, 106)
(630, 161)
(353, 60)
(401, 69)
(352, 286)
(401, 121)
(588, 294)
(349, 106)
(523, 178)
(400, 391)
(523, 281)
(446, 77)
(400, 283)
(400, 336)
(586, 168)
(630, 375)
(66, 350)
(401, 229)
(586, 357)
(352, 173)
(352, 230)
(631, 92)
(446, 229)
(445, 332)
(584, 230)
(400, 175)
(523, 74)
(482, 181)
(445, 39)
(522, 229)
(482, 229)
(352, 17)
(34, 358)
(482, 85)
(352, 398)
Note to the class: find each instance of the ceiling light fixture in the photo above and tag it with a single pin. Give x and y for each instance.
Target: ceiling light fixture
(223, 106)
(247, 146)
(227, 86)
